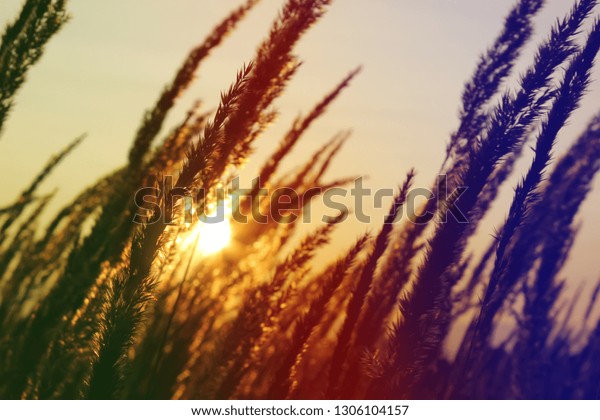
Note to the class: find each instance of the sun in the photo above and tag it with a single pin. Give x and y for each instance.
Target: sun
(213, 236)
(210, 237)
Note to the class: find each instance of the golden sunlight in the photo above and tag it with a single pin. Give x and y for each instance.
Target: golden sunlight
(213, 236)
(210, 237)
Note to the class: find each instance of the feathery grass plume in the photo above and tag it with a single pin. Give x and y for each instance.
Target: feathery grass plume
(492, 69)
(298, 128)
(129, 299)
(130, 291)
(14, 211)
(359, 294)
(274, 66)
(197, 168)
(154, 118)
(571, 90)
(496, 150)
(23, 44)
(171, 152)
(515, 114)
(418, 336)
(282, 384)
(562, 198)
(562, 195)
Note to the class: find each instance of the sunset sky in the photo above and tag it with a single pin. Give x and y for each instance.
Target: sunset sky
(110, 62)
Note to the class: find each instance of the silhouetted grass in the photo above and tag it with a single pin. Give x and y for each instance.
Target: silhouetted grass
(93, 305)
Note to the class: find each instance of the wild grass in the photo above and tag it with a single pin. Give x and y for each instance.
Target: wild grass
(93, 305)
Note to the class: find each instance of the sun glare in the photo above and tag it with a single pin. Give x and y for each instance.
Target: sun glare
(213, 236)
(210, 238)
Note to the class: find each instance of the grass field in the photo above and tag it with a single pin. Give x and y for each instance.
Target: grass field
(132, 291)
